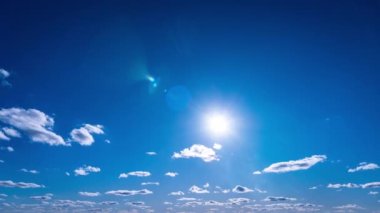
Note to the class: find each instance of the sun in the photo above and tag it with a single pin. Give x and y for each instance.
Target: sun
(218, 124)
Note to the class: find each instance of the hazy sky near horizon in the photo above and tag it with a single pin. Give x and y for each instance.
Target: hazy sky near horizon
(190, 106)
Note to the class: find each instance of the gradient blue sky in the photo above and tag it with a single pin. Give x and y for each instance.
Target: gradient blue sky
(299, 80)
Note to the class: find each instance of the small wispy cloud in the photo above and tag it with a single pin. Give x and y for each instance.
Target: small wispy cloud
(364, 166)
(353, 185)
(4, 75)
(197, 190)
(178, 193)
(86, 170)
(150, 183)
(31, 171)
(23, 185)
(45, 197)
(151, 153)
(135, 173)
(293, 165)
(11, 132)
(171, 174)
(282, 199)
(129, 192)
(89, 194)
(7, 148)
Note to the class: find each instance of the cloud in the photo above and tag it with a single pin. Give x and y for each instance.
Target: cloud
(371, 185)
(353, 185)
(83, 135)
(178, 193)
(129, 192)
(349, 207)
(197, 190)
(241, 189)
(217, 146)
(7, 148)
(151, 153)
(294, 165)
(150, 183)
(3, 136)
(3, 77)
(86, 170)
(32, 171)
(186, 199)
(238, 201)
(43, 197)
(282, 199)
(345, 185)
(171, 174)
(11, 132)
(135, 173)
(23, 185)
(364, 166)
(33, 123)
(373, 193)
(197, 151)
(257, 173)
(89, 194)
(1, 161)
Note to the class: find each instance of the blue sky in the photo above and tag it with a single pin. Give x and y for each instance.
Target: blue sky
(189, 106)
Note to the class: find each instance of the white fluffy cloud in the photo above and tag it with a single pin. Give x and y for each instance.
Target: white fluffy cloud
(23, 185)
(197, 151)
(89, 194)
(171, 174)
(86, 170)
(217, 146)
(371, 185)
(33, 123)
(293, 165)
(135, 173)
(198, 190)
(241, 189)
(83, 135)
(129, 192)
(32, 171)
(364, 166)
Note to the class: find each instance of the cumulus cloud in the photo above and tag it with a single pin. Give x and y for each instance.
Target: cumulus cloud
(178, 193)
(293, 165)
(150, 183)
(33, 123)
(129, 192)
(84, 134)
(86, 170)
(241, 189)
(197, 151)
(32, 171)
(135, 173)
(89, 194)
(257, 173)
(171, 174)
(23, 185)
(4, 75)
(197, 190)
(282, 199)
(364, 166)
(238, 201)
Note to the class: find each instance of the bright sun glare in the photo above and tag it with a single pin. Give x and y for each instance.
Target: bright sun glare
(218, 124)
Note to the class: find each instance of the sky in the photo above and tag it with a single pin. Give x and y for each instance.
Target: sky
(190, 106)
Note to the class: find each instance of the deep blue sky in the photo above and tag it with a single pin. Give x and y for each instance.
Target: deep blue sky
(299, 79)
